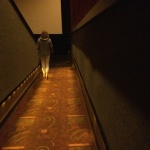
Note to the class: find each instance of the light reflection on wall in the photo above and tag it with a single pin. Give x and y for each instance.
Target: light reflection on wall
(41, 14)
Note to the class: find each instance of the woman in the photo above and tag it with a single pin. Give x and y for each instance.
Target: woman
(45, 48)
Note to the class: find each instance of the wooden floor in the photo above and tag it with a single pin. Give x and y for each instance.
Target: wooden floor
(51, 115)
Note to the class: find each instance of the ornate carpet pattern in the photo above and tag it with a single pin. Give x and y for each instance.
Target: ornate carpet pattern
(50, 116)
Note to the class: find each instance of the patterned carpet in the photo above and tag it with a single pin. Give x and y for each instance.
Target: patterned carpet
(51, 115)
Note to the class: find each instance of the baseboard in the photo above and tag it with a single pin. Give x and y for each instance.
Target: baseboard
(94, 123)
(9, 103)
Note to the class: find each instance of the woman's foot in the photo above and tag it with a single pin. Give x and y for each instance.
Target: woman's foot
(46, 76)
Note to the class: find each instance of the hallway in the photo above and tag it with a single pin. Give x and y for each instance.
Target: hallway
(109, 43)
(51, 115)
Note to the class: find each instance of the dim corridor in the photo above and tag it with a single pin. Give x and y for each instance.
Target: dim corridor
(51, 115)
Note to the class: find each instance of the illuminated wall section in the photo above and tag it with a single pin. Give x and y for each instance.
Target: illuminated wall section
(18, 51)
(41, 14)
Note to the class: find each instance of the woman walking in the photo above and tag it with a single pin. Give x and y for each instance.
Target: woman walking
(45, 48)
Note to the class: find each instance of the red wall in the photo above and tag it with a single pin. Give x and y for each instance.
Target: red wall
(78, 9)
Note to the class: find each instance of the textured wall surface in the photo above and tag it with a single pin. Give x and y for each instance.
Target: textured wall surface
(18, 53)
(79, 9)
(112, 53)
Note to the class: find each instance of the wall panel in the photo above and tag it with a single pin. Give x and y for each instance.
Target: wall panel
(18, 53)
(112, 54)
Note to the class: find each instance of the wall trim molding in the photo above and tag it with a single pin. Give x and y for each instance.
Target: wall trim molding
(101, 144)
(11, 101)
